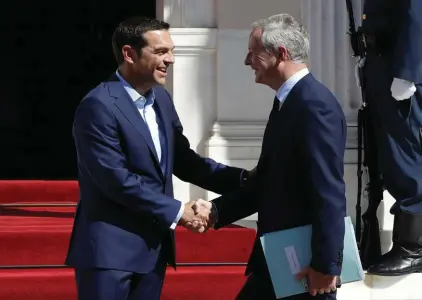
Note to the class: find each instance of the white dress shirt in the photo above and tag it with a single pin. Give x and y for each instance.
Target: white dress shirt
(147, 112)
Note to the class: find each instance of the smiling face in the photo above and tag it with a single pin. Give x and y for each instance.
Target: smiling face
(263, 63)
(150, 64)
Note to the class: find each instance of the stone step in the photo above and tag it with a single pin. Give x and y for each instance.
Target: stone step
(408, 287)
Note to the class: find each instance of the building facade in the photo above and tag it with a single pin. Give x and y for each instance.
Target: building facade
(224, 112)
(222, 109)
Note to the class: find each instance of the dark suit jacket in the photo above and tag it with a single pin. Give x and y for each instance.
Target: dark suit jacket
(126, 202)
(398, 24)
(299, 176)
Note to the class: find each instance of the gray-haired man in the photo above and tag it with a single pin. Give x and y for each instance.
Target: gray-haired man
(299, 176)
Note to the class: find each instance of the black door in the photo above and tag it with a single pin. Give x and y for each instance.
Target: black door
(52, 54)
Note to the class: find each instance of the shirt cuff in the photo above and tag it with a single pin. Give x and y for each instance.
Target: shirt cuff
(214, 213)
(179, 216)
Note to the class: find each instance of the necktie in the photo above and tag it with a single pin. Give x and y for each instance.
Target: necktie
(276, 104)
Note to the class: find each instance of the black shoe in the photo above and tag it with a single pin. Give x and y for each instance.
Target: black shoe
(399, 261)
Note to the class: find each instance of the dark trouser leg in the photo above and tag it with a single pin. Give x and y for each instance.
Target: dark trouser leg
(398, 128)
(403, 179)
(256, 287)
(259, 287)
(406, 254)
(104, 284)
(149, 286)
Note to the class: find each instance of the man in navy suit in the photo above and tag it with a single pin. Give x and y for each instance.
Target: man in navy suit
(299, 177)
(129, 142)
(393, 81)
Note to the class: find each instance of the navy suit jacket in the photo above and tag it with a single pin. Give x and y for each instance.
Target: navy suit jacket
(299, 176)
(126, 202)
(398, 22)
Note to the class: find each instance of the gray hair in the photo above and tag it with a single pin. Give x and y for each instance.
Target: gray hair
(284, 31)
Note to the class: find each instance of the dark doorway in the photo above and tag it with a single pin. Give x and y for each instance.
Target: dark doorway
(53, 53)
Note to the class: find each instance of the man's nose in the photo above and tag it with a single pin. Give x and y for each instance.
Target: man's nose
(169, 59)
(247, 59)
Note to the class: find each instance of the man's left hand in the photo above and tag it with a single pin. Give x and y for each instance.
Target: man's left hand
(318, 283)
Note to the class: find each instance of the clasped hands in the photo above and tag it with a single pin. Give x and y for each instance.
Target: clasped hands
(198, 216)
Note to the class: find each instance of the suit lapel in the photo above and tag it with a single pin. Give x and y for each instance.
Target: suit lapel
(161, 111)
(125, 104)
(280, 118)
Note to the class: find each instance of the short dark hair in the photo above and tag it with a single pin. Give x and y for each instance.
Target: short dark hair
(131, 32)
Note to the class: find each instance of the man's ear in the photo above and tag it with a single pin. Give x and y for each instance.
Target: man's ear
(283, 55)
(129, 54)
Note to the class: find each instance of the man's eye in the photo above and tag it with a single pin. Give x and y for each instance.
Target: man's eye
(161, 52)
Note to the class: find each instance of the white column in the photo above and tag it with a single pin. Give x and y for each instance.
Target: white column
(242, 105)
(194, 91)
(192, 79)
(187, 13)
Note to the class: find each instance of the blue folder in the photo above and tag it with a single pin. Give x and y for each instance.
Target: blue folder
(287, 252)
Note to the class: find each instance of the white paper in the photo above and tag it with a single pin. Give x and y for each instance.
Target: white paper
(292, 259)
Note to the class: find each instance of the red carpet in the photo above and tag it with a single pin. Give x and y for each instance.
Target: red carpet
(40, 236)
(38, 191)
(214, 283)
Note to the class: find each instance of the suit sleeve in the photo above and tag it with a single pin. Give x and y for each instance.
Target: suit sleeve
(100, 155)
(201, 171)
(324, 148)
(236, 205)
(407, 62)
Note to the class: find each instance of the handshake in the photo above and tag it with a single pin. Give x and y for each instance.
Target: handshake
(198, 216)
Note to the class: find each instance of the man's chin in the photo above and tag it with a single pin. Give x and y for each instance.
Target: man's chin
(160, 81)
(258, 79)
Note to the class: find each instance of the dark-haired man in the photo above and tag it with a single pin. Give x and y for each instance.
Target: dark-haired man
(129, 142)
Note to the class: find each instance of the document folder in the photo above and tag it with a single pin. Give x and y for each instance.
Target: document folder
(287, 252)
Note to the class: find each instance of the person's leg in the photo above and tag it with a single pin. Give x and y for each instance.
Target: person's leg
(398, 133)
(102, 284)
(148, 286)
(404, 181)
(256, 287)
(406, 255)
(260, 287)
